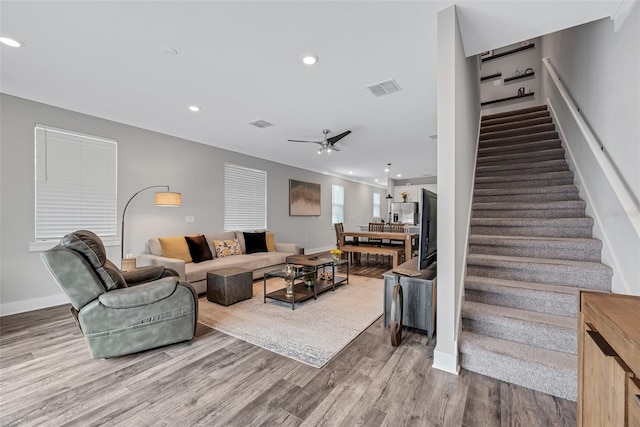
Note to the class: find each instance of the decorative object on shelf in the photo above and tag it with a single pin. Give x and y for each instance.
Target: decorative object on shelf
(163, 198)
(335, 255)
(487, 54)
(309, 279)
(404, 196)
(509, 98)
(520, 75)
(289, 287)
(304, 198)
(521, 91)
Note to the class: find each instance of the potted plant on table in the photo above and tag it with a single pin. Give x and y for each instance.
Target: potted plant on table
(404, 196)
(335, 255)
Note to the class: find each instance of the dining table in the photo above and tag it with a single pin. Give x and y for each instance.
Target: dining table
(408, 238)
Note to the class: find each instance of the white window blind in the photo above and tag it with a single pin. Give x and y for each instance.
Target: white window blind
(376, 205)
(76, 183)
(337, 204)
(245, 198)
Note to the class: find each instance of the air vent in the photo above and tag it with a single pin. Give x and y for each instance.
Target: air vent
(261, 124)
(384, 88)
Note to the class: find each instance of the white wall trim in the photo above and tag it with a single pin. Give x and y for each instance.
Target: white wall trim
(33, 304)
(584, 192)
(446, 361)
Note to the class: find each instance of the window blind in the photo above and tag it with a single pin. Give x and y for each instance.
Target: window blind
(337, 204)
(245, 198)
(75, 183)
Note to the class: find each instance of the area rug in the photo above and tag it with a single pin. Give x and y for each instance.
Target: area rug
(312, 333)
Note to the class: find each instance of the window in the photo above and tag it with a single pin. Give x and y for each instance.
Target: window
(337, 204)
(245, 198)
(76, 183)
(376, 205)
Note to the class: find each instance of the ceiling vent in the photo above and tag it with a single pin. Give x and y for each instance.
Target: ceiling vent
(384, 88)
(261, 124)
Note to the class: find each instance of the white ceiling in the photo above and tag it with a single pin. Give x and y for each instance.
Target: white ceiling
(240, 61)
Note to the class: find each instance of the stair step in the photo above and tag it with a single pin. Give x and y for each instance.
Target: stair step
(501, 142)
(574, 249)
(515, 124)
(527, 327)
(528, 130)
(548, 371)
(590, 275)
(534, 227)
(524, 147)
(515, 119)
(514, 113)
(557, 165)
(542, 298)
(510, 158)
(528, 180)
(557, 209)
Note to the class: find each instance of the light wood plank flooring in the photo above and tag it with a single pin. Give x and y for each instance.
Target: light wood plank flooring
(48, 378)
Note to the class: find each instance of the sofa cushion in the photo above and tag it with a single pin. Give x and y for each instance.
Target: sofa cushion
(227, 247)
(154, 247)
(271, 242)
(198, 248)
(175, 247)
(211, 237)
(255, 242)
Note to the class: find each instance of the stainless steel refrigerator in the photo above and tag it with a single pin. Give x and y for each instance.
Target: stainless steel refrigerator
(406, 213)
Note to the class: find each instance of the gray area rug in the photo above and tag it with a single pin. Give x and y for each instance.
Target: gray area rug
(312, 333)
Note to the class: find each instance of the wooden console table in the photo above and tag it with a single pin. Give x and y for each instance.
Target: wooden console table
(608, 360)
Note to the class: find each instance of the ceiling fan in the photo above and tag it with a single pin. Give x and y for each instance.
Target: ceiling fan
(327, 144)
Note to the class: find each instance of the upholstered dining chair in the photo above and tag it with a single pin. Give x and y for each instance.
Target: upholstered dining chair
(121, 312)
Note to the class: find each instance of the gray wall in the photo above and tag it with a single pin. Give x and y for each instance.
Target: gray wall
(601, 70)
(144, 158)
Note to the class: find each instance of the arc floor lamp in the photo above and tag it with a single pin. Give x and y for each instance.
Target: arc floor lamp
(163, 198)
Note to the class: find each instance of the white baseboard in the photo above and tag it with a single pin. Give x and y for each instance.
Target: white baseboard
(32, 304)
(446, 361)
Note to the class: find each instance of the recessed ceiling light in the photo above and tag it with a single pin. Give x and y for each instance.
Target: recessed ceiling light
(399, 175)
(350, 173)
(376, 180)
(194, 108)
(386, 169)
(11, 42)
(309, 58)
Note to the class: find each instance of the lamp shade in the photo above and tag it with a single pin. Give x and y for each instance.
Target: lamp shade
(168, 198)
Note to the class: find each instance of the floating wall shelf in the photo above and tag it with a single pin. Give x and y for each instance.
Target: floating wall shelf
(490, 77)
(521, 76)
(509, 52)
(509, 98)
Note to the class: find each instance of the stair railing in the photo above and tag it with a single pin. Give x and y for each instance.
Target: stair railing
(621, 190)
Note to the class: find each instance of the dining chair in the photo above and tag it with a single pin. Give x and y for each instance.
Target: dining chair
(339, 227)
(376, 227)
(396, 227)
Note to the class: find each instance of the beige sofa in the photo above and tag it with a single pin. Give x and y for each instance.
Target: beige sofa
(196, 273)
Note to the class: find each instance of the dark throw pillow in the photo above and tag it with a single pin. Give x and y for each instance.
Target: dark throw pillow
(255, 242)
(198, 248)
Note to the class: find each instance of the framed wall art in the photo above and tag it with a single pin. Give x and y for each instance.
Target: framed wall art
(304, 198)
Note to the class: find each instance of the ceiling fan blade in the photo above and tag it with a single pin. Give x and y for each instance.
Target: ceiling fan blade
(337, 138)
(334, 148)
(300, 140)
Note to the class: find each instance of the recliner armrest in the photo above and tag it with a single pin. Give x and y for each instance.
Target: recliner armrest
(147, 274)
(140, 295)
(173, 263)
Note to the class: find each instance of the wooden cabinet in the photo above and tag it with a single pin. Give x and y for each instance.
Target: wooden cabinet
(609, 360)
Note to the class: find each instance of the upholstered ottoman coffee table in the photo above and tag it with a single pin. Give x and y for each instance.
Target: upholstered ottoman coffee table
(230, 285)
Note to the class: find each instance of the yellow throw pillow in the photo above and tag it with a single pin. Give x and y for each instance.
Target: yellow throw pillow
(175, 247)
(271, 242)
(227, 247)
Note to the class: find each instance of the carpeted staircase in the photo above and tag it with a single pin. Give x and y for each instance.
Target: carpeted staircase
(530, 253)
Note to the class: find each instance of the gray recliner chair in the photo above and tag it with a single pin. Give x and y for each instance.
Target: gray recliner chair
(118, 312)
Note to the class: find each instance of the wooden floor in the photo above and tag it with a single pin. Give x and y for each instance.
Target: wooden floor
(47, 378)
